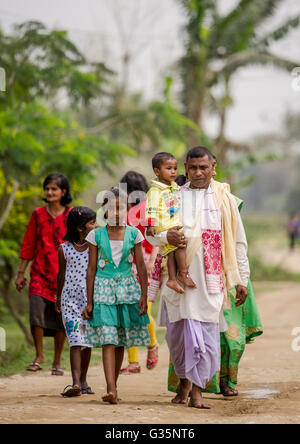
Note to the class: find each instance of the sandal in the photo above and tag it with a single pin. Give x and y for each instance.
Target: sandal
(72, 392)
(152, 363)
(87, 391)
(228, 392)
(34, 367)
(57, 372)
(130, 370)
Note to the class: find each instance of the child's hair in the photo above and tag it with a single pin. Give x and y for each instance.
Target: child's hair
(63, 183)
(160, 158)
(181, 180)
(114, 194)
(78, 218)
(135, 182)
(200, 151)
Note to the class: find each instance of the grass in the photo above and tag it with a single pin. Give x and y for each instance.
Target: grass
(18, 354)
(267, 230)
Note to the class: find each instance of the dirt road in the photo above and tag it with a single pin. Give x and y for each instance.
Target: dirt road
(269, 367)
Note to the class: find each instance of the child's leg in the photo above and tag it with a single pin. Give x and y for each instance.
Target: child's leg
(119, 353)
(109, 364)
(183, 275)
(86, 354)
(133, 355)
(75, 359)
(151, 328)
(172, 281)
(152, 355)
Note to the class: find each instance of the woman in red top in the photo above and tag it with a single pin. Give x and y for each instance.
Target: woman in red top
(45, 232)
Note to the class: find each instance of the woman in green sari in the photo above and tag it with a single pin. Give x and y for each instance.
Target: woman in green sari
(244, 325)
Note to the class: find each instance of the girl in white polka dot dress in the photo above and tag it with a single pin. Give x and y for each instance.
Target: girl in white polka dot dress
(71, 295)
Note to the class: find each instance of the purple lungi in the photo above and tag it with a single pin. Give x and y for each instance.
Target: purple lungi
(195, 349)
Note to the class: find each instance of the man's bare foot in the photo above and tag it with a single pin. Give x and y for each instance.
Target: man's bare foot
(184, 278)
(199, 404)
(173, 284)
(196, 401)
(182, 396)
(111, 398)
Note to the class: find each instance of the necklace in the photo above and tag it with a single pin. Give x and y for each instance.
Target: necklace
(80, 245)
(55, 215)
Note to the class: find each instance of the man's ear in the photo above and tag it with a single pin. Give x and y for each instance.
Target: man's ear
(186, 172)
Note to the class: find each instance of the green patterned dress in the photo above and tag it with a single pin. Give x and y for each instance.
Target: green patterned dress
(115, 319)
(244, 325)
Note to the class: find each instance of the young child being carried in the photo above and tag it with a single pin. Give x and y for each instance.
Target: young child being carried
(71, 295)
(163, 213)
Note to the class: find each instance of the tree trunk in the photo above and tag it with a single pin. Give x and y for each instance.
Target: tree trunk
(8, 302)
(9, 205)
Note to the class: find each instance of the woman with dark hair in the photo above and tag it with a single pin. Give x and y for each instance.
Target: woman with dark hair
(137, 188)
(45, 232)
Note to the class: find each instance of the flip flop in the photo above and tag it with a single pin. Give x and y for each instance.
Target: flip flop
(152, 363)
(129, 371)
(57, 372)
(228, 392)
(72, 392)
(87, 391)
(34, 367)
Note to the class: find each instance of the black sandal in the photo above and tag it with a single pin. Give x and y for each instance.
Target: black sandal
(72, 392)
(87, 391)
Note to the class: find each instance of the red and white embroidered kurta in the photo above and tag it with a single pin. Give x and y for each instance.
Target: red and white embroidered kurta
(205, 303)
(41, 242)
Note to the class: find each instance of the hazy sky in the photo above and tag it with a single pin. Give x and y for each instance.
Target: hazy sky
(151, 29)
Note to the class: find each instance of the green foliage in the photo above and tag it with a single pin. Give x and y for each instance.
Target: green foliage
(38, 138)
(216, 47)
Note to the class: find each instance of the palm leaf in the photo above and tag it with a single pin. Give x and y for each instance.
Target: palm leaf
(280, 32)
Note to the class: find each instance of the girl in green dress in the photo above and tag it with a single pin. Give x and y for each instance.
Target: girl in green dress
(117, 303)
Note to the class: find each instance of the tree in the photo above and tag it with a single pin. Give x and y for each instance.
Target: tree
(217, 47)
(36, 139)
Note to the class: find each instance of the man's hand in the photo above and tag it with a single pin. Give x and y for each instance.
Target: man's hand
(176, 237)
(241, 295)
(151, 231)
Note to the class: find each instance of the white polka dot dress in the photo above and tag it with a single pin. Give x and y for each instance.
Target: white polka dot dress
(74, 298)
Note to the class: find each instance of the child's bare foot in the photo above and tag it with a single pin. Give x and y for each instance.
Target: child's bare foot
(173, 284)
(111, 398)
(184, 278)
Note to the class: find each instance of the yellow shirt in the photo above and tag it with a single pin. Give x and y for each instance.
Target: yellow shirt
(163, 209)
